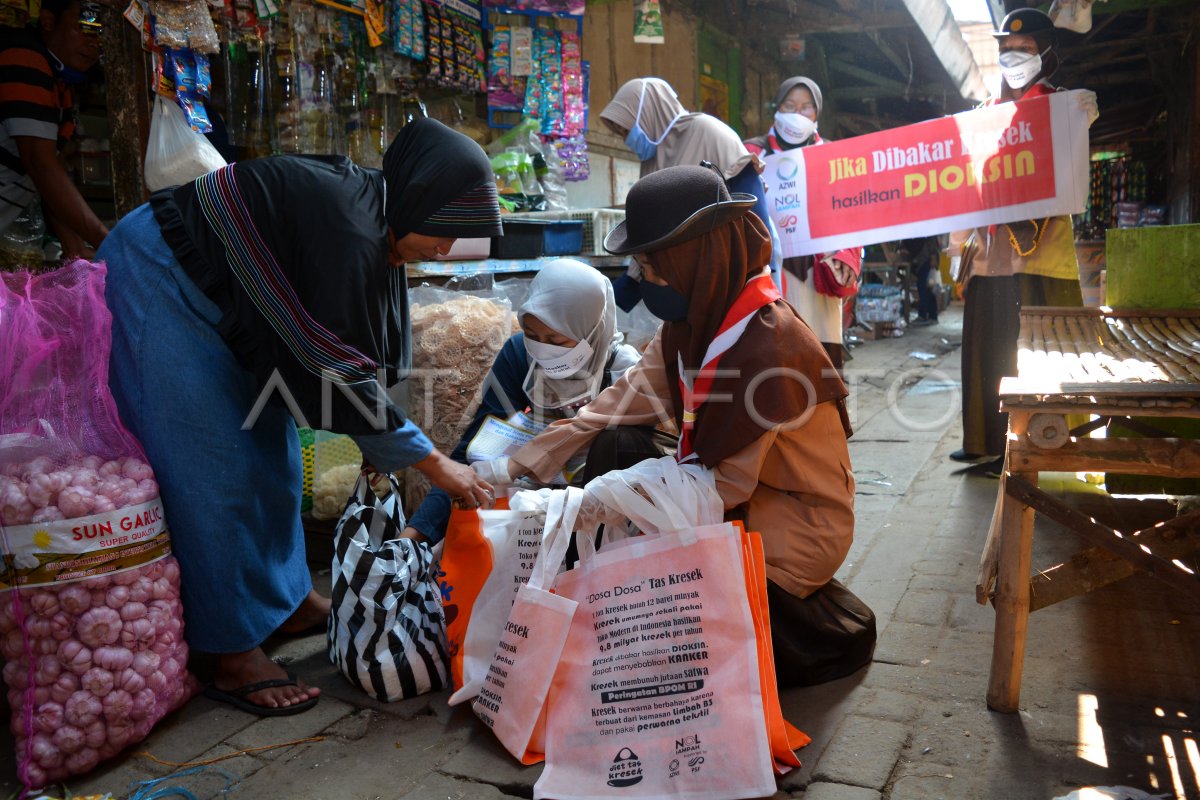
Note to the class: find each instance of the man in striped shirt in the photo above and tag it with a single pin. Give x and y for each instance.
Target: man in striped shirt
(37, 117)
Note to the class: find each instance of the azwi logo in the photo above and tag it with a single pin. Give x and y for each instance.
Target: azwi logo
(787, 169)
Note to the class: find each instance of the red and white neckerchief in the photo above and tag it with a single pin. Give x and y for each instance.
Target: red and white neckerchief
(695, 390)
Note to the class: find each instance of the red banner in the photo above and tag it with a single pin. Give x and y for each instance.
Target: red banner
(1001, 163)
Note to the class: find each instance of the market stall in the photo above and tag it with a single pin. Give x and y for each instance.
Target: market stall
(1113, 366)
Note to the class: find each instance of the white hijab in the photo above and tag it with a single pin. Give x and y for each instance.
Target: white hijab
(575, 300)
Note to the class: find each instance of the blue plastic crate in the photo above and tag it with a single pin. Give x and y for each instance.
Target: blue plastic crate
(526, 238)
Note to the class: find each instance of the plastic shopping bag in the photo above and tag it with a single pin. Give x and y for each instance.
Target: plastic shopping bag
(176, 154)
(387, 634)
(486, 558)
(91, 626)
(512, 699)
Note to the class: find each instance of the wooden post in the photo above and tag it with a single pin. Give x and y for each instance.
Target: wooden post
(128, 108)
(1193, 182)
(1012, 587)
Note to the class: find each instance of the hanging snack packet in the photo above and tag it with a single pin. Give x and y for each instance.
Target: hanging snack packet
(203, 76)
(419, 40)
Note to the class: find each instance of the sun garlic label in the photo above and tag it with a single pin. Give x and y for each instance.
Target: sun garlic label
(85, 547)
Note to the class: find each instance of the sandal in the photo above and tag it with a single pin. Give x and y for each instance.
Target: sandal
(237, 697)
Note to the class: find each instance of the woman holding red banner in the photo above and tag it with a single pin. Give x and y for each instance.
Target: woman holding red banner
(756, 400)
(1015, 264)
(815, 285)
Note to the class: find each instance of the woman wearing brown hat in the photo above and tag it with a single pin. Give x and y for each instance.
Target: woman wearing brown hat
(770, 423)
(819, 301)
(1032, 262)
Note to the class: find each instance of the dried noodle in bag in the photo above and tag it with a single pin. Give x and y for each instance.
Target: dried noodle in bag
(456, 337)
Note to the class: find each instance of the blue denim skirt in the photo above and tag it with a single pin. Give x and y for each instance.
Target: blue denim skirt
(230, 480)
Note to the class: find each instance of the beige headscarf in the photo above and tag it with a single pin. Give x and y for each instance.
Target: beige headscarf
(694, 137)
(575, 300)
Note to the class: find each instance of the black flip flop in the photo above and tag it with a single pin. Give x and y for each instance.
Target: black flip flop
(237, 697)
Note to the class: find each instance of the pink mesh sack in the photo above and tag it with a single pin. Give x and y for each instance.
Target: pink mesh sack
(91, 626)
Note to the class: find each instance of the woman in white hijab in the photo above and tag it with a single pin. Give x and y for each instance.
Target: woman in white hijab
(567, 352)
(647, 114)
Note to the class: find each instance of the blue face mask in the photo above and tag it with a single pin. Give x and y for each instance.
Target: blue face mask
(636, 140)
(640, 143)
(666, 303)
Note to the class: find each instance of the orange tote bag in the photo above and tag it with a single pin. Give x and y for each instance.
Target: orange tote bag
(486, 557)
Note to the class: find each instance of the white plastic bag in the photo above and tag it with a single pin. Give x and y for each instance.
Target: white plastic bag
(1072, 15)
(658, 495)
(176, 154)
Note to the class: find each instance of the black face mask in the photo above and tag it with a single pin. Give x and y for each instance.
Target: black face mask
(666, 303)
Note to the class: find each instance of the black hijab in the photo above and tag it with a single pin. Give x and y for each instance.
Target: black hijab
(439, 183)
(294, 252)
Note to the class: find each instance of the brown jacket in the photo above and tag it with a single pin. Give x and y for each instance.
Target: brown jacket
(793, 484)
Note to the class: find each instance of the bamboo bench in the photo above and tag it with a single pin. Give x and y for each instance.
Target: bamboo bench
(1119, 368)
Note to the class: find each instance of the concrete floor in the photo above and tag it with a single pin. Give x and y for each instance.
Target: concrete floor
(1110, 693)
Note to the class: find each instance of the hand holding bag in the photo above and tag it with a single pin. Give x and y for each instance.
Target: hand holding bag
(387, 633)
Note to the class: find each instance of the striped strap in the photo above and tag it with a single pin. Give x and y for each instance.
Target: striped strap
(256, 269)
(476, 207)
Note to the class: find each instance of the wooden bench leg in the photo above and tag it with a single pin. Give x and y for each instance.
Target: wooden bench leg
(1012, 606)
(1012, 591)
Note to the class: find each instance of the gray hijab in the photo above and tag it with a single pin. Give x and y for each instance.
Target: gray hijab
(693, 137)
(575, 300)
(792, 83)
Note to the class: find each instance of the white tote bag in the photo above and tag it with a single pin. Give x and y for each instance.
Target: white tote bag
(657, 693)
(486, 558)
(513, 696)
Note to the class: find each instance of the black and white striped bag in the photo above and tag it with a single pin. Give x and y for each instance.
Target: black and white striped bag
(387, 633)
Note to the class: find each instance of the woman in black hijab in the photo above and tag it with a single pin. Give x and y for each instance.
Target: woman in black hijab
(263, 294)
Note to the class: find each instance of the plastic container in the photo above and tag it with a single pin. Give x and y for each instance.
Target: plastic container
(535, 238)
(597, 223)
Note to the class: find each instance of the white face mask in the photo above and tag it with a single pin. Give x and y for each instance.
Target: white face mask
(556, 361)
(1019, 69)
(794, 128)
